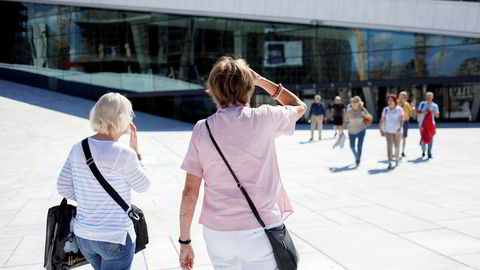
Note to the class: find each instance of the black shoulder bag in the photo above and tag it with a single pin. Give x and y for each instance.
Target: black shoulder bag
(133, 212)
(284, 250)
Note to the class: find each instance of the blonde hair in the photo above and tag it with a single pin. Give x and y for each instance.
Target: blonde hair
(111, 114)
(318, 97)
(357, 99)
(230, 82)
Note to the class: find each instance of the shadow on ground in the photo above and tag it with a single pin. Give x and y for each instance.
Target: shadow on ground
(80, 107)
(347, 168)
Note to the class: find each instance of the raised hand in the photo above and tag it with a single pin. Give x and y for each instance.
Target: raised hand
(133, 137)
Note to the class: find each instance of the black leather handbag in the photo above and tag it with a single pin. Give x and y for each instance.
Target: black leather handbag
(133, 212)
(283, 247)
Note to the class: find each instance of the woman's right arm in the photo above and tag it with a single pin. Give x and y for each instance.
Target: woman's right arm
(187, 208)
(65, 181)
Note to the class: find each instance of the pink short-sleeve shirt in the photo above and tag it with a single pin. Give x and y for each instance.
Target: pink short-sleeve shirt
(246, 137)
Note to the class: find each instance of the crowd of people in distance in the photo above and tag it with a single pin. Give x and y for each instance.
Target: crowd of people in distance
(394, 124)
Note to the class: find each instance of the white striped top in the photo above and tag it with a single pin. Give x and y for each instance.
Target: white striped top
(99, 217)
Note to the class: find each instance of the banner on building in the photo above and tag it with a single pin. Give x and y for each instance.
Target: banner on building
(283, 53)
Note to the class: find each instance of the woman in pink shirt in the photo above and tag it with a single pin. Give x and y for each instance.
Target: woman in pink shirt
(246, 136)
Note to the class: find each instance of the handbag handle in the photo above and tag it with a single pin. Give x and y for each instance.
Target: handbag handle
(106, 186)
(244, 192)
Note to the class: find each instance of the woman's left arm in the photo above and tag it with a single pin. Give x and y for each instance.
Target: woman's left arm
(367, 115)
(187, 208)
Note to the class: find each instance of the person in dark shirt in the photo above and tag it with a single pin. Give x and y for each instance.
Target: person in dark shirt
(316, 117)
(337, 114)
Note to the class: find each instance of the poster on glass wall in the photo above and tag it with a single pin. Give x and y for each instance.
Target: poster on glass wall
(283, 53)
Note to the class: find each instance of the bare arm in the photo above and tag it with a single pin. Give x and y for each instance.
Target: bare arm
(189, 201)
(187, 208)
(285, 98)
(346, 120)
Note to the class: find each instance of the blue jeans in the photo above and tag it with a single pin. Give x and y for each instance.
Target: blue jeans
(357, 150)
(430, 146)
(107, 256)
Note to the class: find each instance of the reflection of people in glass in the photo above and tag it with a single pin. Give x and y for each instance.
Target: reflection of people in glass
(40, 44)
(391, 125)
(407, 110)
(356, 120)
(128, 53)
(427, 111)
(316, 117)
(101, 51)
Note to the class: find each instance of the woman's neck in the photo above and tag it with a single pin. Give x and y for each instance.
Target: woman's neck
(104, 137)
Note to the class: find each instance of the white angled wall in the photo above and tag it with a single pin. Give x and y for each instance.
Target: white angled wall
(423, 16)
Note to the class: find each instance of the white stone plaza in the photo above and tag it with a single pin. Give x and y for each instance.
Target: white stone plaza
(421, 215)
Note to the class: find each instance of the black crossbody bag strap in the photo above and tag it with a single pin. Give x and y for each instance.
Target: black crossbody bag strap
(244, 192)
(108, 188)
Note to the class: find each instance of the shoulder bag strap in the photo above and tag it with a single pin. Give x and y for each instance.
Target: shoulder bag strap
(108, 188)
(244, 192)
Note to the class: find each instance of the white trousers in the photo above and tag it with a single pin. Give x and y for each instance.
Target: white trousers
(239, 250)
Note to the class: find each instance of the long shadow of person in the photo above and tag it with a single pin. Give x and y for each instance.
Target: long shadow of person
(315, 141)
(349, 167)
(379, 171)
(418, 160)
(384, 161)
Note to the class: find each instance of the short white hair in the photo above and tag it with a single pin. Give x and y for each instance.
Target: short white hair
(111, 114)
(429, 94)
(404, 93)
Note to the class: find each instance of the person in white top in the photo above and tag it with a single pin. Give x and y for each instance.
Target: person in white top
(391, 126)
(104, 233)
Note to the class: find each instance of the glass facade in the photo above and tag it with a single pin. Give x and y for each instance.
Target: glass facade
(167, 57)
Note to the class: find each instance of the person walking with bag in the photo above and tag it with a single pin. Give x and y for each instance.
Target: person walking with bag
(356, 120)
(316, 117)
(233, 151)
(104, 232)
(391, 126)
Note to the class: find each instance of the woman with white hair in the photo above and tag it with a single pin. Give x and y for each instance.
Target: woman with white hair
(356, 120)
(103, 231)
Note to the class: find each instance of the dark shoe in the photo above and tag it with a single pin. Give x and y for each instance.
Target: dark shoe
(403, 155)
(357, 162)
(430, 156)
(311, 139)
(423, 155)
(390, 166)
